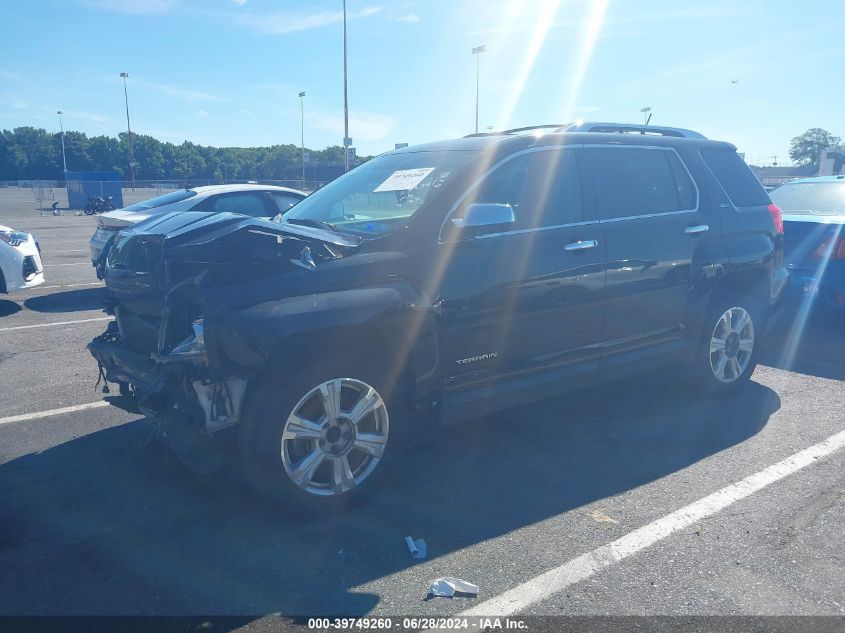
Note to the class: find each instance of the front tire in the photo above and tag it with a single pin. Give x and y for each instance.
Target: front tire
(317, 441)
(728, 350)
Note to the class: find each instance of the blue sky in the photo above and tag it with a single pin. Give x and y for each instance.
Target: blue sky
(227, 72)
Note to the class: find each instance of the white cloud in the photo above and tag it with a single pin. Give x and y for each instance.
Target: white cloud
(132, 6)
(363, 126)
(11, 101)
(94, 117)
(186, 94)
(410, 17)
(240, 3)
(279, 23)
(202, 113)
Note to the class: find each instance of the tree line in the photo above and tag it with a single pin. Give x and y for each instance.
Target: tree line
(28, 153)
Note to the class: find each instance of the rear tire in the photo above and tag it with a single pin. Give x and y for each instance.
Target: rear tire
(729, 346)
(318, 441)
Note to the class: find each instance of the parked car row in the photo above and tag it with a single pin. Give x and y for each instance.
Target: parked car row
(437, 283)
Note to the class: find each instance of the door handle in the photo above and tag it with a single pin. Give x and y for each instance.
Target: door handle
(580, 245)
(695, 230)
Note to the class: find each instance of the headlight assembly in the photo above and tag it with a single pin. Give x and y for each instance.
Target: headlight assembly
(14, 238)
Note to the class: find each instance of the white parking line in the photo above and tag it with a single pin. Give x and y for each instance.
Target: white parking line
(73, 250)
(45, 414)
(555, 580)
(29, 327)
(91, 283)
(85, 263)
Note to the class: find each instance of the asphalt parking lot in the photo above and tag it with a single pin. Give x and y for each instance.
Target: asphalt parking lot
(94, 521)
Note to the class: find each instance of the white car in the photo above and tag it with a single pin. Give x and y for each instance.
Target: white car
(20, 261)
(261, 201)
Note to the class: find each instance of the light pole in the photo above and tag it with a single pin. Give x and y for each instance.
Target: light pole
(129, 130)
(477, 52)
(646, 112)
(346, 140)
(302, 132)
(62, 128)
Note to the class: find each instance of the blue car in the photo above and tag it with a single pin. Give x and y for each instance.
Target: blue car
(814, 233)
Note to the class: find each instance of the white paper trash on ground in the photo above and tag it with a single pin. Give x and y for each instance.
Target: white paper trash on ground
(448, 587)
(417, 547)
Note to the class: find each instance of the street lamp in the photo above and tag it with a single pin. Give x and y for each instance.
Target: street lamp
(346, 140)
(646, 112)
(477, 52)
(302, 132)
(129, 130)
(62, 128)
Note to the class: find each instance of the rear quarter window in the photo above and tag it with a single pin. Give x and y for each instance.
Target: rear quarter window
(736, 177)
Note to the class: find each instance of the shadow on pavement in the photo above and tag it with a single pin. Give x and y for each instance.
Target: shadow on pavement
(102, 525)
(812, 345)
(69, 301)
(8, 308)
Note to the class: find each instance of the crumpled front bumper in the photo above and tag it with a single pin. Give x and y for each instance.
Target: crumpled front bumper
(121, 365)
(149, 374)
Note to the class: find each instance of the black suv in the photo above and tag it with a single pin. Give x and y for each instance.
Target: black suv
(437, 283)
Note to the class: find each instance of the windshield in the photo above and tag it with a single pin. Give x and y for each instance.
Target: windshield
(380, 195)
(824, 198)
(160, 201)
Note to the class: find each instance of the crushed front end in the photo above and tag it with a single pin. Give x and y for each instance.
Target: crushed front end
(167, 279)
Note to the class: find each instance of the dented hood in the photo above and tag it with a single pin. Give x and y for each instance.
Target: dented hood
(195, 228)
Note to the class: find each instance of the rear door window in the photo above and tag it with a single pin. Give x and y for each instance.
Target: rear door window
(736, 178)
(633, 181)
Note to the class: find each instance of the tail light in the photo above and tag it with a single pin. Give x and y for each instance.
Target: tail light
(833, 248)
(777, 217)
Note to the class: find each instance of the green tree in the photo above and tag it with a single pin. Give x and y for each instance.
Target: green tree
(807, 148)
(34, 153)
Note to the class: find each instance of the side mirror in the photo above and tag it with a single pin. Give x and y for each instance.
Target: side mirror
(485, 215)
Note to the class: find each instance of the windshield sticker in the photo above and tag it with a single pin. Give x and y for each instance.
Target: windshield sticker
(404, 179)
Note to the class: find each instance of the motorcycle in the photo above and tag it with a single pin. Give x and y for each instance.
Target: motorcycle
(98, 204)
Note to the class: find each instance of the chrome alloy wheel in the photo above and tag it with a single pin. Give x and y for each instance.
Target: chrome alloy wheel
(335, 437)
(731, 345)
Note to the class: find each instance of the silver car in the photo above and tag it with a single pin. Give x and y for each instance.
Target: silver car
(262, 201)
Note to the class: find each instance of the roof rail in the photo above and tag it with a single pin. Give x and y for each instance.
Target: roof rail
(517, 130)
(599, 127)
(630, 128)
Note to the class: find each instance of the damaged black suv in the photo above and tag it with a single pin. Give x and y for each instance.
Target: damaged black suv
(437, 283)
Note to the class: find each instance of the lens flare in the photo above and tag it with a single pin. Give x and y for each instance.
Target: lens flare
(796, 330)
(545, 20)
(595, 21)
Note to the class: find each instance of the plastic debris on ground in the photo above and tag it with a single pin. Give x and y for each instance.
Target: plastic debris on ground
(417, 547)
(600, 517)
(449, 587)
